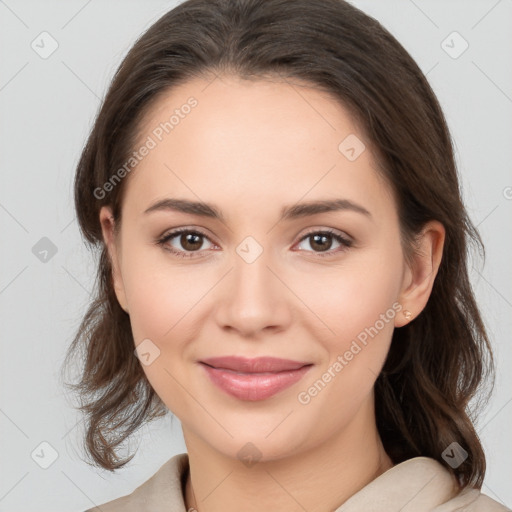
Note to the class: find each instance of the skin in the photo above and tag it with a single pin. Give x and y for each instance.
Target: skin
(251, 148)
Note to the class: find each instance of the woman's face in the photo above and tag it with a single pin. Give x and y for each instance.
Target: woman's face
(267, 276)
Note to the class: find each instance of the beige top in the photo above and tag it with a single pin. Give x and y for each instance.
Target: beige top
(420, 484)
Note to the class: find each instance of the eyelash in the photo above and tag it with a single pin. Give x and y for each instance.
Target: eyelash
(345, 243)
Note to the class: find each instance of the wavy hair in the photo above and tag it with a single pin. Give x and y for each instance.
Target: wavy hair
(438, 362)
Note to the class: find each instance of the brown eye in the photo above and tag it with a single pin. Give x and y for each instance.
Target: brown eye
(183, 242)
(191, 241)
(322, 242)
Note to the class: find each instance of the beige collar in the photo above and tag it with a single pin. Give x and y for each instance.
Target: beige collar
(420, 484)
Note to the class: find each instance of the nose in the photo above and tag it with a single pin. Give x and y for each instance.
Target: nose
(253, 299)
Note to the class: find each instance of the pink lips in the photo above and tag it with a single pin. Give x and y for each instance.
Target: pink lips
(254, 379)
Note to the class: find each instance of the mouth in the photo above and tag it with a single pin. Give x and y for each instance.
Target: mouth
(254, 379)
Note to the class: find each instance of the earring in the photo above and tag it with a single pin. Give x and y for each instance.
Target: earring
(407, 314)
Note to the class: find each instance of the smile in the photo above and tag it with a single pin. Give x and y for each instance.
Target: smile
(262, 378)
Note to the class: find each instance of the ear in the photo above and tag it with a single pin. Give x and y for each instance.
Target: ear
(420, 274)
(107, 227)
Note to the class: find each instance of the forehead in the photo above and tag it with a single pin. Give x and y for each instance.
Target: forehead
(257, 142)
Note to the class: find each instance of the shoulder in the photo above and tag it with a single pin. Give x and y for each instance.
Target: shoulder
(472, 500)
(467, 500)
(420, 484)
(450, 499)
(161, 492)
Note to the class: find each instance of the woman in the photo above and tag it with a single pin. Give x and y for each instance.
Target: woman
(283, 266)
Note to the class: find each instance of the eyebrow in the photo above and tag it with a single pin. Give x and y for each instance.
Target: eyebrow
(287, 212)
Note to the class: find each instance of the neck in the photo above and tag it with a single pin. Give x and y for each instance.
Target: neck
(320, 479)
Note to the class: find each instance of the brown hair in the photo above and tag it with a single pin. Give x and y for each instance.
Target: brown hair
(437, 362)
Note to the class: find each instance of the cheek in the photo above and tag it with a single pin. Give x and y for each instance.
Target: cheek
(162, 295)
(357, 307)
(161, 307)
(354, 297)
(362, 317)
(165, 300)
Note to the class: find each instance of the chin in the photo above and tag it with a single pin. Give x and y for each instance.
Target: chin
(263, 439)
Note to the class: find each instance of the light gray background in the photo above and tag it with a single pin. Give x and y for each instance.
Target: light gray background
(47, 108)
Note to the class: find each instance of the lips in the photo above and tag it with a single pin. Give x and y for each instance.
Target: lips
(253, 379)
(257, 365)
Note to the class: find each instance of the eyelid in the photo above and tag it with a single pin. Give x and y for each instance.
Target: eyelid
(172, 233)
(331, 231)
